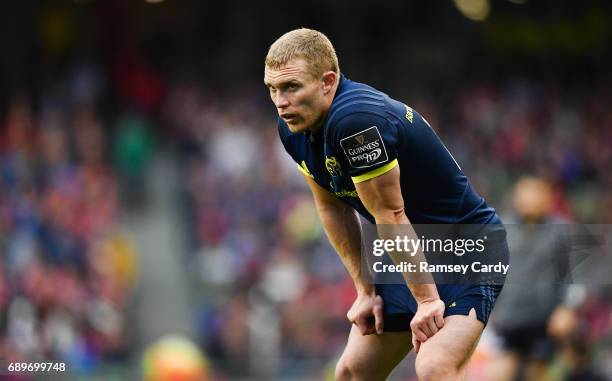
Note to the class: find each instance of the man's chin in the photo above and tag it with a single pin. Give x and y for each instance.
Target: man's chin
(297, 128)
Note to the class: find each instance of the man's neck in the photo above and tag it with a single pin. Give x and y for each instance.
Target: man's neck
(316, 127)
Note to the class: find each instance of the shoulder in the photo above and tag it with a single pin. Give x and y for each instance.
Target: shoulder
(358, 106)
(357, 124)
(356, 98)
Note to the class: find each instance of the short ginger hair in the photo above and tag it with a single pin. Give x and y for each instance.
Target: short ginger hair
(311, 45)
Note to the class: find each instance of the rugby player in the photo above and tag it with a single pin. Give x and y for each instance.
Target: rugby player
(362, 152)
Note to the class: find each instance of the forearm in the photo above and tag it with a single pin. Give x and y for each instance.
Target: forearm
(343, 229)
(393, 224)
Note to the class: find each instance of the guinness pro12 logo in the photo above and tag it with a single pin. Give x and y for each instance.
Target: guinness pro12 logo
(364, 149)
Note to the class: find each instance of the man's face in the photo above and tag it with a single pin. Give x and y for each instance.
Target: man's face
(299, 97)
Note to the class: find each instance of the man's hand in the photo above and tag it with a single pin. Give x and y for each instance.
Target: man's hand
(367, 313)
(427, 321)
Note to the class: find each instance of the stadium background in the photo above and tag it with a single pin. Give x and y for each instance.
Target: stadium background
(143, 190)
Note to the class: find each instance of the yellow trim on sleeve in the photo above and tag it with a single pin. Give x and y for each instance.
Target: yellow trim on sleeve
(375, 173)
(304, 169)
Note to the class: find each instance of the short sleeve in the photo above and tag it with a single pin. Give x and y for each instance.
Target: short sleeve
(368, 142)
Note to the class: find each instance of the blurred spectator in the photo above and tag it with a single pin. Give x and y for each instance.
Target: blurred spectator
(536, 314)
(133, 145)
(530, 295)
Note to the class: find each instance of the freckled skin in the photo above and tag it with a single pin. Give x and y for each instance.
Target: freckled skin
(301, 98)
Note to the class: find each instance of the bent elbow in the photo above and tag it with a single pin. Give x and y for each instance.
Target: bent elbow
(391, 216)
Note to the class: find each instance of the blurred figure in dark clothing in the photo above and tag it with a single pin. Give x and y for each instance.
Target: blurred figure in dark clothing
(525, 307)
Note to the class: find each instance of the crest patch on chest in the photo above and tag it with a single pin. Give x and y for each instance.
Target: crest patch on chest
(332, 166)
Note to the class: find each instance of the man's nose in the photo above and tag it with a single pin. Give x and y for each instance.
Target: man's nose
(281, 101)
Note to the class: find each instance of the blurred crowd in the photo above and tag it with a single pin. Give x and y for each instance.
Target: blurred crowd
(499, 133)
(67, 268)
(270, 285)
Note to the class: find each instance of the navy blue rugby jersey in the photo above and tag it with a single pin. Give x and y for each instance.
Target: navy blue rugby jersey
(366, 134)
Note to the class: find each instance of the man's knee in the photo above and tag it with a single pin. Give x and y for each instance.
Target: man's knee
(349, 368)
(436, 369)
(343, 372)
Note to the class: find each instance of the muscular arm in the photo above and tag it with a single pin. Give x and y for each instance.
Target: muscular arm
(382, 197)
(343, 229)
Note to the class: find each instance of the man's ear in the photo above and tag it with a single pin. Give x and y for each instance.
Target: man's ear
(329, 80)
